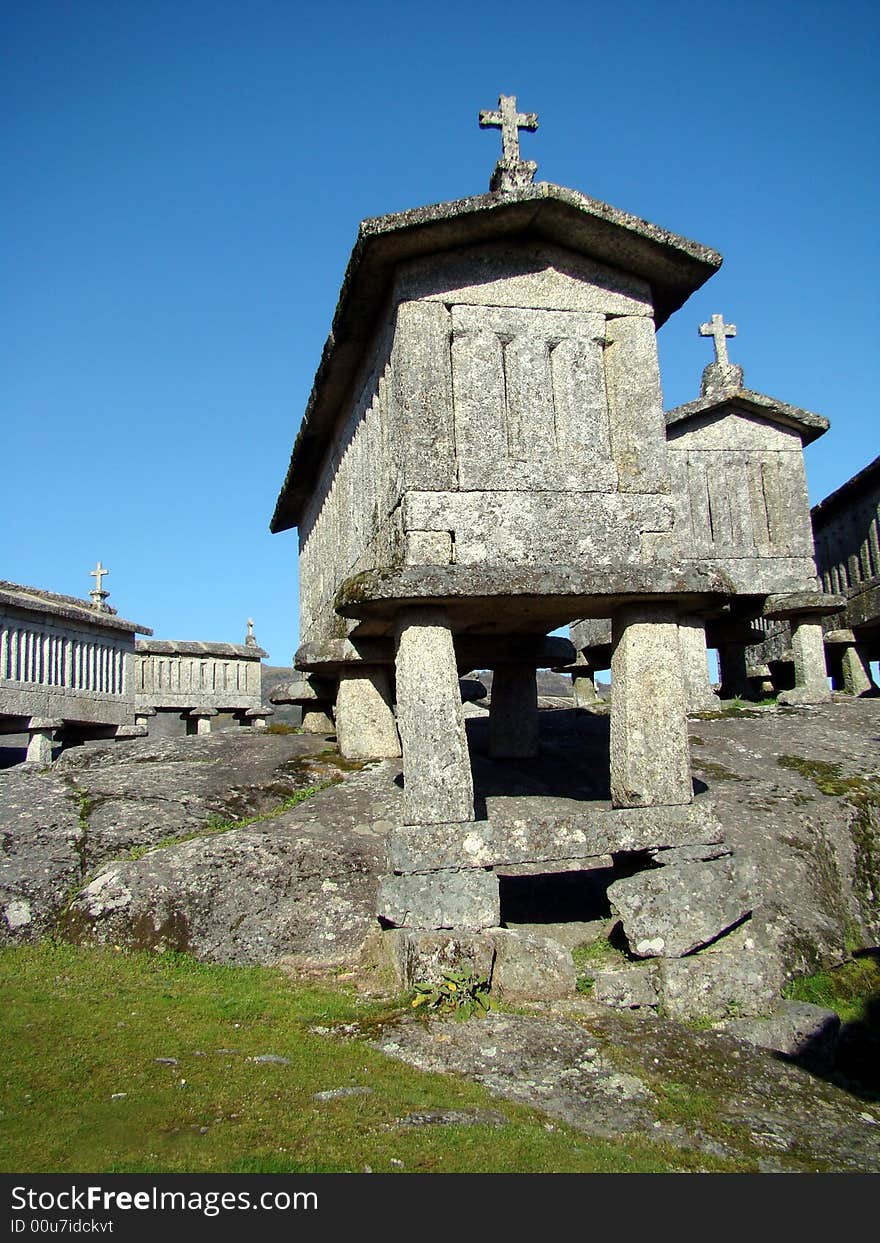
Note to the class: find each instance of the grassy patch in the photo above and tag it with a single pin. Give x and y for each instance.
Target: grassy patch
(146, 1062)
(849, 990)
(280, 727)
(598, 955)
(716, 772)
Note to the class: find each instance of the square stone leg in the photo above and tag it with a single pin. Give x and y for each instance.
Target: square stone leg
(584, 684)
(41, 735)
(695, 665)
(650, 757)
(734, 670)
(438, 787)
(365, 726)
(513, 713)
(856, 671)
(810, 673)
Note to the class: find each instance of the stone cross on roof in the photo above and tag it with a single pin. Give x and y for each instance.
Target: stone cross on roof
(719, 330)
(250, 638)
(98, 595)
(722, 373)
(511, 171)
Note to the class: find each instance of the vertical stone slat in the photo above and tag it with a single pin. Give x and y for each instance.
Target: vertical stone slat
(635, 401)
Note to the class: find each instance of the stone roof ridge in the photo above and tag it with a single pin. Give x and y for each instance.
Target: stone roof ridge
(810, 426)
(198, 647)
(68, 606)
(841, 495)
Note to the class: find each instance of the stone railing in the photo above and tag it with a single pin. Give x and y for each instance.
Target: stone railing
(37, 655)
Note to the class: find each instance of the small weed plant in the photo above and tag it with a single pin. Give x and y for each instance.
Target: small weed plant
(462, 993)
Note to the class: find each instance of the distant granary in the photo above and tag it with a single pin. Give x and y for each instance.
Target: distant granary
(845, 529)
(64, 667)
(187, 686)
(740, 492)
(846, 526)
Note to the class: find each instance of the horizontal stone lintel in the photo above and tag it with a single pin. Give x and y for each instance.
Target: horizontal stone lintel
(796, 603)
(832, 638)
(547, 596)
(578, 839)
(472, 652)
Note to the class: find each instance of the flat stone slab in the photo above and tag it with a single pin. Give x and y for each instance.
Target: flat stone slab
(542, 838)
(464, 899)
(674, 910)
(735, 977)
(628, 988)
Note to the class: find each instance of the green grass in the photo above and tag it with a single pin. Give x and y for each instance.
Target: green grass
(847, 989)
(83, 1026)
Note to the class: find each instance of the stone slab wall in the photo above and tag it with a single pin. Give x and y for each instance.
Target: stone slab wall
(848, 538)
(348, 526)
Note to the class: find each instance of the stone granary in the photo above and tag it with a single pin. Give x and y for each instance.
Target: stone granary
(845, 530)
(482, 458)
(65, 667)
(739, 487)
(184, 686)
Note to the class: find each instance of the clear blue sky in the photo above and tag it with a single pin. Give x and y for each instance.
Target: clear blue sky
(183, 184)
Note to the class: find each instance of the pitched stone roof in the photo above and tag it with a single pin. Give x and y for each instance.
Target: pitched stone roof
(724, 401)
(35, 599)
(866, 479)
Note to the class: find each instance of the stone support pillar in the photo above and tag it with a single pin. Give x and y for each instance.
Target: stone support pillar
(315, 697)
(583, 682)
(438, 787)
(695, 665)
(142, 717)
(202, 718)
(258, 718)
(650, 757)
(856, 671)
(365, 725)
(513, 713)
(734, 671)
(41, 736)
(810, 674)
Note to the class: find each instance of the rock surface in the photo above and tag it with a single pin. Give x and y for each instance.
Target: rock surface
(612, 1073)
(790, 791)
(104, 801)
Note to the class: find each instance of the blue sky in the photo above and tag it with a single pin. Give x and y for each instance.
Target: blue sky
(183, 184)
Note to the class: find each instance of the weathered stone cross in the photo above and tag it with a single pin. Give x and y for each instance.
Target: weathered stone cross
(98, 573)
(719, 330)
(510, 122)
(98, 595)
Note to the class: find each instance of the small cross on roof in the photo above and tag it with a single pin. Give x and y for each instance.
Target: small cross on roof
(719, 330)
(511, 170)
(98, 594)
